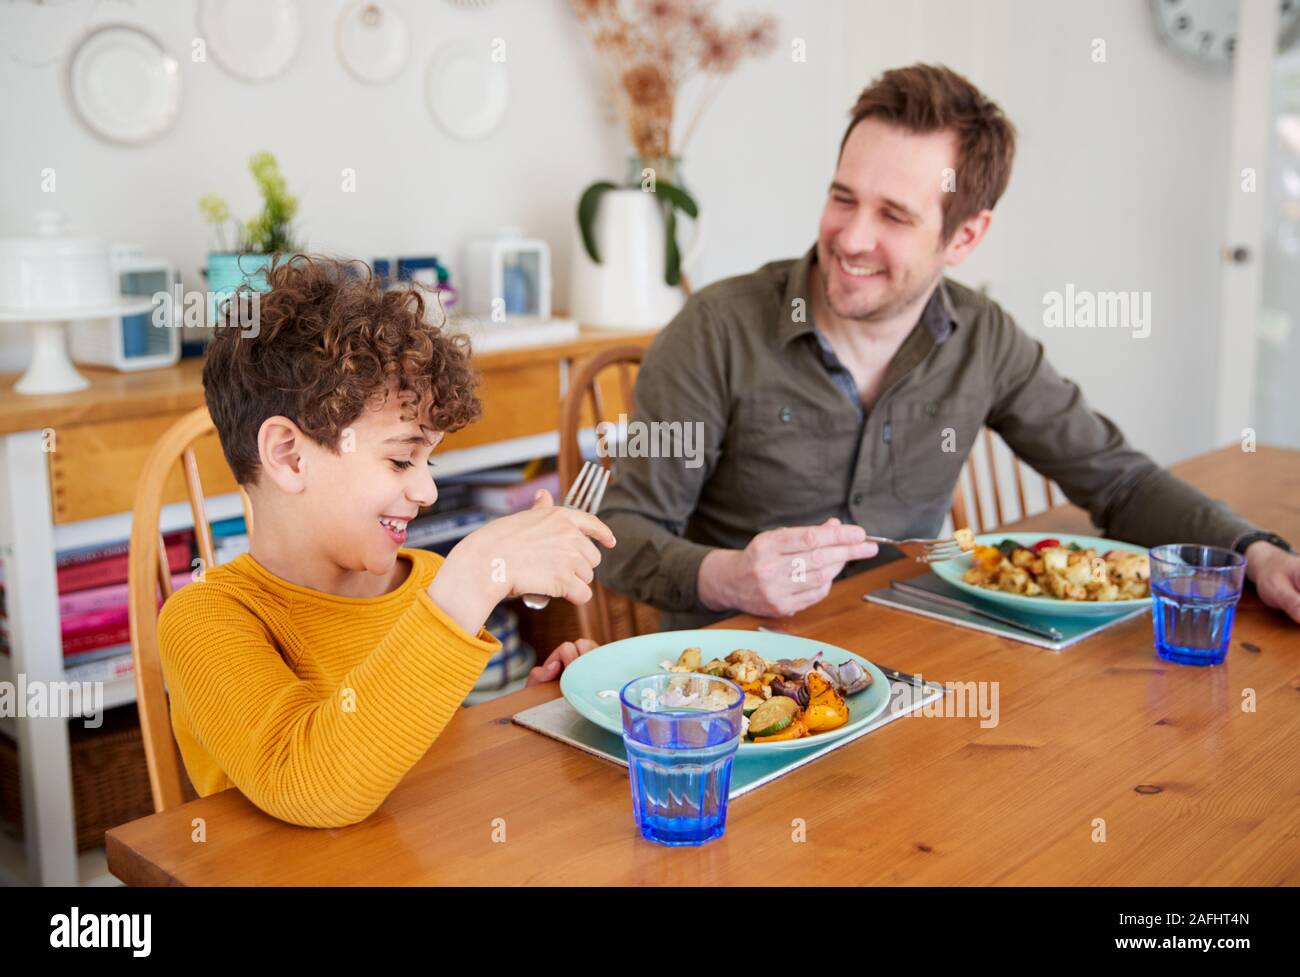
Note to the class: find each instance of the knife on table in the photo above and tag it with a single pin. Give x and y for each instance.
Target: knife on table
(912, 590)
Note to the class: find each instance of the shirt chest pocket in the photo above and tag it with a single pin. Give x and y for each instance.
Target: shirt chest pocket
(782, 447)
(929, 441)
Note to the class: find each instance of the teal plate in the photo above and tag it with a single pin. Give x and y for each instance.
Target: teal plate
(951, 571)
(613, 665)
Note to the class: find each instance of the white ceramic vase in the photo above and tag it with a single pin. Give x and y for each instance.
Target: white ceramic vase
(627, 289)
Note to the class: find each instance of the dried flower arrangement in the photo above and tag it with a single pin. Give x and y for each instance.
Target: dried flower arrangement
(646, 59)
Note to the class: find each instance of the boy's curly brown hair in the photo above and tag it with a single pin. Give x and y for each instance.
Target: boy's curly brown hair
(329, 340)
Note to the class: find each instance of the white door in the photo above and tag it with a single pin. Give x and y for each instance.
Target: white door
(1259, 361)
(1277, 360)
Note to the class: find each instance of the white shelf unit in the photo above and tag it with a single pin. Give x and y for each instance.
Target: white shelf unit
(28, 544)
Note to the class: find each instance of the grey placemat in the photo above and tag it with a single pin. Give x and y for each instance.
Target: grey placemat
(559, 720)
(1073, 629)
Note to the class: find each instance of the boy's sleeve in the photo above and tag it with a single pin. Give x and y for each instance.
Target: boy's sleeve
(319, 757)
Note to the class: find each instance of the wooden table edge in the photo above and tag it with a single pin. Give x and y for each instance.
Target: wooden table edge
(130, 866)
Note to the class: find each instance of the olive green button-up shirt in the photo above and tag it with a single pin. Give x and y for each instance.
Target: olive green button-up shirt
(779, 437)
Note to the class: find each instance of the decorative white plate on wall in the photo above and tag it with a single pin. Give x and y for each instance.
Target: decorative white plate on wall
(372, 41)
(251, 39)
(467, 91)
(124, 85)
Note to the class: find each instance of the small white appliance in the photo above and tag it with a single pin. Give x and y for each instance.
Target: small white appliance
(141, 340)
(507, 276)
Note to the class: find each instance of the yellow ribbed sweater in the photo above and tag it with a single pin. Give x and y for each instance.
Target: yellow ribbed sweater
(314, 706)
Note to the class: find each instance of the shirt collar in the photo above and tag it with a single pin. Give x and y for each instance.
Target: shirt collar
(796, 319)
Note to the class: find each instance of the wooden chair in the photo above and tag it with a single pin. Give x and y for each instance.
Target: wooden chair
(148, 577)
(609, 615)
(967, 501)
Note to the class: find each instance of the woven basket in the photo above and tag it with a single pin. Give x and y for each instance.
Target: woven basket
(110, 781)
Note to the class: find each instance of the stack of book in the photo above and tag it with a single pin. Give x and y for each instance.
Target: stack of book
(229, 539)
(516, 495)
(93, 619)
(501, 491)
(440, 531)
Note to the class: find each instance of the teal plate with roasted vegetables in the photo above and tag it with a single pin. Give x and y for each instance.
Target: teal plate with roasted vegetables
(954, 572)
(819, 678)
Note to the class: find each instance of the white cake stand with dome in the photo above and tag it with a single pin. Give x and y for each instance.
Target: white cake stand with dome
(48, 279)
(51, 370)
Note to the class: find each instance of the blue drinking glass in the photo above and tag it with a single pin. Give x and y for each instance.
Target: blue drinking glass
(1194, 594)
(681, 730)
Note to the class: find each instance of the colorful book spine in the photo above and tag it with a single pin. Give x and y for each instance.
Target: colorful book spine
(113, 569)
(121, 665)
(101, 620)
(97, 551)
(515, 498)
(103, 598)
(96, 638)
(431, 530)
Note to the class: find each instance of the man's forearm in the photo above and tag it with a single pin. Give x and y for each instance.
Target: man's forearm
(1162, 508)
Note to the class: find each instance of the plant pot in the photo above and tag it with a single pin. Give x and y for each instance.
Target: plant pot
(228, 270)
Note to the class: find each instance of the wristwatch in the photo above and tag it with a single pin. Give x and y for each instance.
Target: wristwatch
(1240, 545)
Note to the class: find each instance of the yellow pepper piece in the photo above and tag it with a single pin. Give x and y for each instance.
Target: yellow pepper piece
(826, 707)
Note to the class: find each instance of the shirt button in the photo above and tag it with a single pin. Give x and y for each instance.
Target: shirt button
(786, 414)
(932, 408)
(857, 498)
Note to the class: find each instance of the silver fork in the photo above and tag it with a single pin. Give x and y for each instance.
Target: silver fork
(584, 495)
(924, 550)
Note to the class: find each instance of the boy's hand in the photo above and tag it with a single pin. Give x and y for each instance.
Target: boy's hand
(546, 550)
(559, 660)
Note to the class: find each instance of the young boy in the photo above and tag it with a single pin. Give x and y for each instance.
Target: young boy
(315, 670)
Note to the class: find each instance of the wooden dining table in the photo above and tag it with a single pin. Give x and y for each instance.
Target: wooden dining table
(1107, 766)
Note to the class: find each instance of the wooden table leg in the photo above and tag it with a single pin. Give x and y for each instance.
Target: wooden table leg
(36, 655)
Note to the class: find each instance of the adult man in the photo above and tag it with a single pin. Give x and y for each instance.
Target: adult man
(845, 389)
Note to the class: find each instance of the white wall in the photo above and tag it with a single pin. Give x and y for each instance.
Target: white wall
(1118, 183)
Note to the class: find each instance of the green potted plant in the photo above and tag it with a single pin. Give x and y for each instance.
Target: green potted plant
(256, 240)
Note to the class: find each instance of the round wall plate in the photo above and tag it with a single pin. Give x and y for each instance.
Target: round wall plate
(467, 91)
(255, 40)
(372, 41)
(124, 85)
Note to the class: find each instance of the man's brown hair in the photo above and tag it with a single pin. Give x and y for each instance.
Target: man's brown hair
(329, 340)
(925, 98)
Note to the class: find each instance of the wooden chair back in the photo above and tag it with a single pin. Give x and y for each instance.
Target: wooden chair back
(609, 615)
(150, 578)
(1005, 478)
